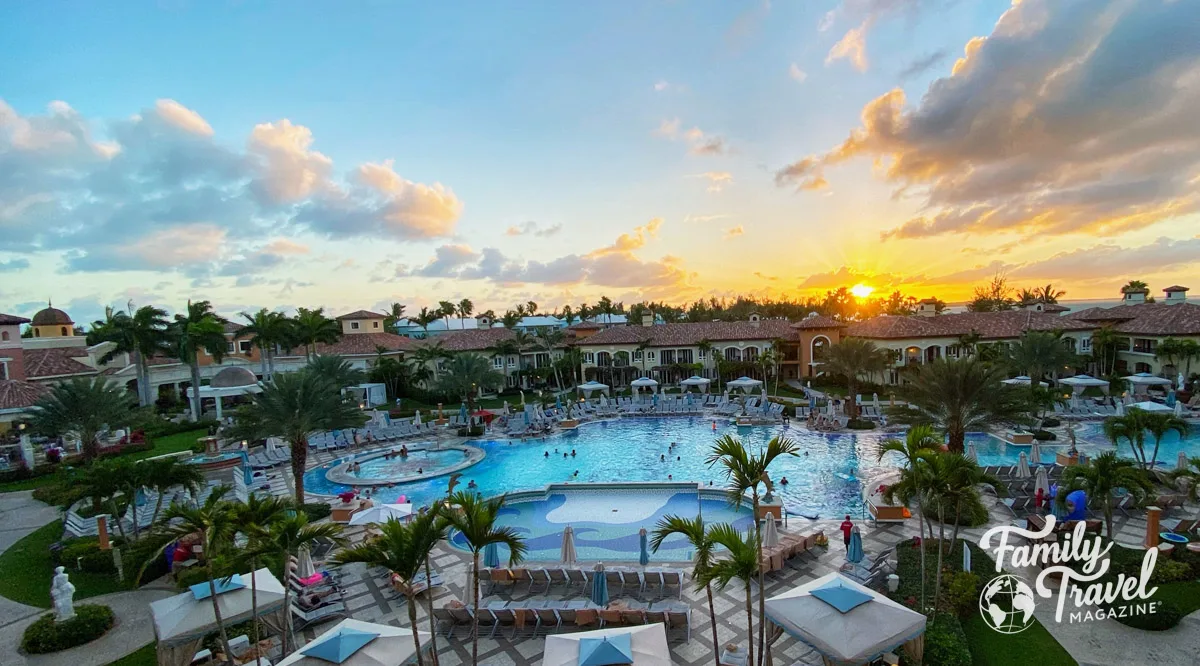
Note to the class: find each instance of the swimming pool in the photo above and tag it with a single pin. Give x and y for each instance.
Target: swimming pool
(1092, 440)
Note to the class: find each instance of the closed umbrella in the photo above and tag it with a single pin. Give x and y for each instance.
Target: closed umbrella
(1035, 453)
(972, 454)
(1182, 462)
(770, 534)
(966, 557)
(643, 548)
(854, 553)
(568, 546)
(1120, 408)
(1178, 408)
(1023, 467)
(599, 586)
(504, 409)
(304, 565)
(1041, 482)
(417, 418)
(491, 556)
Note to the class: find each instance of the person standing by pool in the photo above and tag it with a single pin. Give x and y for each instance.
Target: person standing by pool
(847, 527)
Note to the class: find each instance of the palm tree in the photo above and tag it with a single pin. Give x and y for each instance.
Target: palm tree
(292, 405)
(102, 482)
(199, 329)
(267, 330)
(1133, 285)
(1192, 473)
(253, 518)
(1038, 352)
(337, 369)
(284, 539)
(214, 522)
(641, 349)
(164, 473)
(403, 550)
(950, 481)
(142, 335)
(743, 474)
(468, 374)
(424, 318)
(1100, 477)
(567, 314)
(475, 518)
(701, 540)
(741, 563)
(855, 359)
(1132, 428)
(706, 349)
(394, 314)
(551, 339)
(428, 354)
(1158, 425)
(464, 308)
(311, 327)
(957, 396)
(447, 309)
(1048, 294)
(83, 406)
(919, 444)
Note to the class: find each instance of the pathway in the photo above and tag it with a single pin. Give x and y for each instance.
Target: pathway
(20, 516)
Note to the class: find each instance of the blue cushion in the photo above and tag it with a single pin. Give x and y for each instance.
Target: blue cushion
(615, 649)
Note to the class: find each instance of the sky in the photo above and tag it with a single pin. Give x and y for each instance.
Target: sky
(351, 155)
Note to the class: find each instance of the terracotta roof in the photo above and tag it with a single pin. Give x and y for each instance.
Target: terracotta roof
(669, 335)
(231, 328)
(12, 320)
(928, 300)
(1147, 318)
(477, 340)
(585, 326)
(56, 361)
(360, 344)
(1175, 287)
(815, 321)
(1054, 308)
(51, 317)
(362, 314)
(16, 394)
(989, 325)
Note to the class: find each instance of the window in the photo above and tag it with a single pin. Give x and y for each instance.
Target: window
(637, 355)
(953, 351)
(1144, 345)
(668, 356)
(685, 355)
(62, 330)
(751, 353)
(589, 357)
(1085, 344)
(229, 348)
(4, 368)
(702, 355)
(650, 355)
(497, 362)
(354, 326)
(733, 354)
(1142, 367)
(4, 336)
(244, 346)
(374, 324)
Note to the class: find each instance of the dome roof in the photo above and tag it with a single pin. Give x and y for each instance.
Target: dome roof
(233, 378)
(52, 317)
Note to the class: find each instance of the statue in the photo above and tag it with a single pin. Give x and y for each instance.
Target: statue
(63, 593)
(770, 495)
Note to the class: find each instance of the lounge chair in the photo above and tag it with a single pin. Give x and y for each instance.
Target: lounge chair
(673, 578)
(547, 620)
(318, 614)
(632, 578)
(576, 577)
(615, 578)
(461, 617)
(557, 577)
(633, 617)
(609, 617)
(679, 624)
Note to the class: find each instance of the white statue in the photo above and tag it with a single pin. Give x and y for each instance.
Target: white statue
(63, 593)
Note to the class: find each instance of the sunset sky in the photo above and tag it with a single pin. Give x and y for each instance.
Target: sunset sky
(348, 155)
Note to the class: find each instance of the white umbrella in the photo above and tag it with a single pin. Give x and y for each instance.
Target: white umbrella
(875, 401)
(642, 645)
(181, 622)
(972, 454)
(1180, 383)
(1035, 453)
(381, 514)
(417, 418)
(1023, 467)
(1041, 481)
(1120, 408)
(304, 565)
(568, 546)
(1178, 408)
(358, 643)
(770, 534)
(504, 409)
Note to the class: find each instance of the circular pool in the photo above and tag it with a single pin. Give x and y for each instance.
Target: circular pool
(209, 461)
(389, 467)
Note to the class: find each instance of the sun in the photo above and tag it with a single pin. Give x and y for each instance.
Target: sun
(861, 290)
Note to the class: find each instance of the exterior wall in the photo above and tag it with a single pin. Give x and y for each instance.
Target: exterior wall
(352, 326)
(11, 356)
(918, 351)
(235, 348)
(652, 356)
(55, 331)
(1138, 356)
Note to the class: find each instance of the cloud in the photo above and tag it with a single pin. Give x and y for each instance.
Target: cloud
(699, 142)
(853, 47)
(846, 275)
(704, 218)
(667, 86)
(853, 44)
(924, 64)
(1060, 121)
(12, 265)
(717, 180)
(798, 75)
(448, 261)
(762, 276)
(105, 193)
(532, 228)
(734, 232)
(631, 241)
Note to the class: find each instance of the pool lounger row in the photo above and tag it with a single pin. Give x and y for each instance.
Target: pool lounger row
(552, 617)
(618, 579)
(265, 459)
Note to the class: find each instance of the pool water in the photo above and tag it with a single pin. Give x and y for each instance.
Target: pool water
(429, 462)
(1091, 440)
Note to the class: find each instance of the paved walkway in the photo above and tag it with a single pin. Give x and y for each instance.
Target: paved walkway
(20, 516)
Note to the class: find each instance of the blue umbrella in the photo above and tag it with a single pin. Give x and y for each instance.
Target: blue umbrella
(644, 547)
(599, 586)
(491, 556)
(526, 417)
(558, 402)
(854, 553)
(462, 411)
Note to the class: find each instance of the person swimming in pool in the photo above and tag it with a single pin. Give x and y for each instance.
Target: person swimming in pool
(783, 481)
(678, 458)
(576, 473)
(572, 453)
(420, 470)
(548, 454)
(669, 477)
(471, 485)
(662, 458)
(564, 454)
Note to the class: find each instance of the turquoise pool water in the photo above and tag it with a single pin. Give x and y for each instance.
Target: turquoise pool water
(1091, 439)
(428, 462)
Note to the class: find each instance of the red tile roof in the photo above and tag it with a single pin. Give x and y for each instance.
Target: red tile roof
(361, 344)
(815, 321)
(480, 339)
(1175, 287)
(56, 361)
(585, 326)
(12, 320)
(16, 394)
(362, 314)
(1153, 319)
(989, 325)
(670, 335)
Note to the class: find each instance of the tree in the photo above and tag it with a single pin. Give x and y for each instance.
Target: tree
(511, 318)
(706, 349)
(337, 370)
(701, 541)
(1101, 477)
(958, 396)
(465, 308)
(551, 339)
(424, 318)
(392, 373)
(429, 353)
(403, 550)
(163, 473)
(640, 352)
(475, 519)
(199, 329)
(1132, 428)
(468, 374)
(1192, 474)
(740, 563)
(743, 474)
(855, 359)
(1158, 425)
(311, 327)
(950, 482)
(993, 297)
(284, 539)
(84, 406)
(142, 335)
(254, 518)
(1178, 350)
(1037, 352)
(1105, 343)
(1135, 285)
(447, 309)
(293, 405)
(394, 314)
(268, 330)
(504, 348)
(567, 314)
(919, 444)
(1048, 294)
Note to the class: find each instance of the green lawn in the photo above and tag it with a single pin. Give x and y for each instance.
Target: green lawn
(145, 656)
(26, 569)
(1035, 645)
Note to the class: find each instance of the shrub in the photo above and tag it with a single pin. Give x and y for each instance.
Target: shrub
(860, 424)
(1167, 615)
(474, 431)
(46, 635)
(945, 642)
(57, 494)
(317, 511)
(164, 428)
(1044, 435)
(962, 592)
(1050, 422)
(84, 554)
(1170, 571)
(24, 473)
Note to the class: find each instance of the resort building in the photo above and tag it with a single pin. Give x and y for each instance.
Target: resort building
(408, 327)
(491, 343)
(1140, 326)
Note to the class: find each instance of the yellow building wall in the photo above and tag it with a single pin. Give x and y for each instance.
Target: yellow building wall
(55, 331)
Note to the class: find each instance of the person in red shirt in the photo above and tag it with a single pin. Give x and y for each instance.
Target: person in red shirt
(846, 528)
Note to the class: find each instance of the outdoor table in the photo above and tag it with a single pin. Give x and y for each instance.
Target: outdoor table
(736, 657)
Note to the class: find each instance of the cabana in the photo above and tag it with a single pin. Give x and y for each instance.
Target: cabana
(1080, 382)
(228, 383)
(642, 645)
(697, 381)
(1144, 380)
(181, 622)
(745, 384)
(644, 382)
(1151, 406)
(381, 513)
(846, 622)
(589, 387)
(357, 643)
(1021, 380)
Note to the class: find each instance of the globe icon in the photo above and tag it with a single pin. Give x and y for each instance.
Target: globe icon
(1006, 604)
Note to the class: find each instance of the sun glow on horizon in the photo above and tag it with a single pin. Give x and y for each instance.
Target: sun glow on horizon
(861, 290)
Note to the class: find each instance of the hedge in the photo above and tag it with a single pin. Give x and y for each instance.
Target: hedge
(1044, 436)
(317, 511)
(860, 424)
(91, 621)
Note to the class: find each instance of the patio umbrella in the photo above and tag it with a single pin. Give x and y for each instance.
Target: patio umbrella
(491, 556)
(1178, 408)
(381, 514)
(770, 534)
(643, 645)
(357, 643)
(972, 454)
(504, 409)
(875, 401)
(1023, 466)
(599, 586)
(1035, 453)
(557, 402)
(854, 552)
(417, 418)
(966, 557)
(568, 546)
(1041, 482)
(526, 417)
(1182, 462)
(643, 548)
(304, 565)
